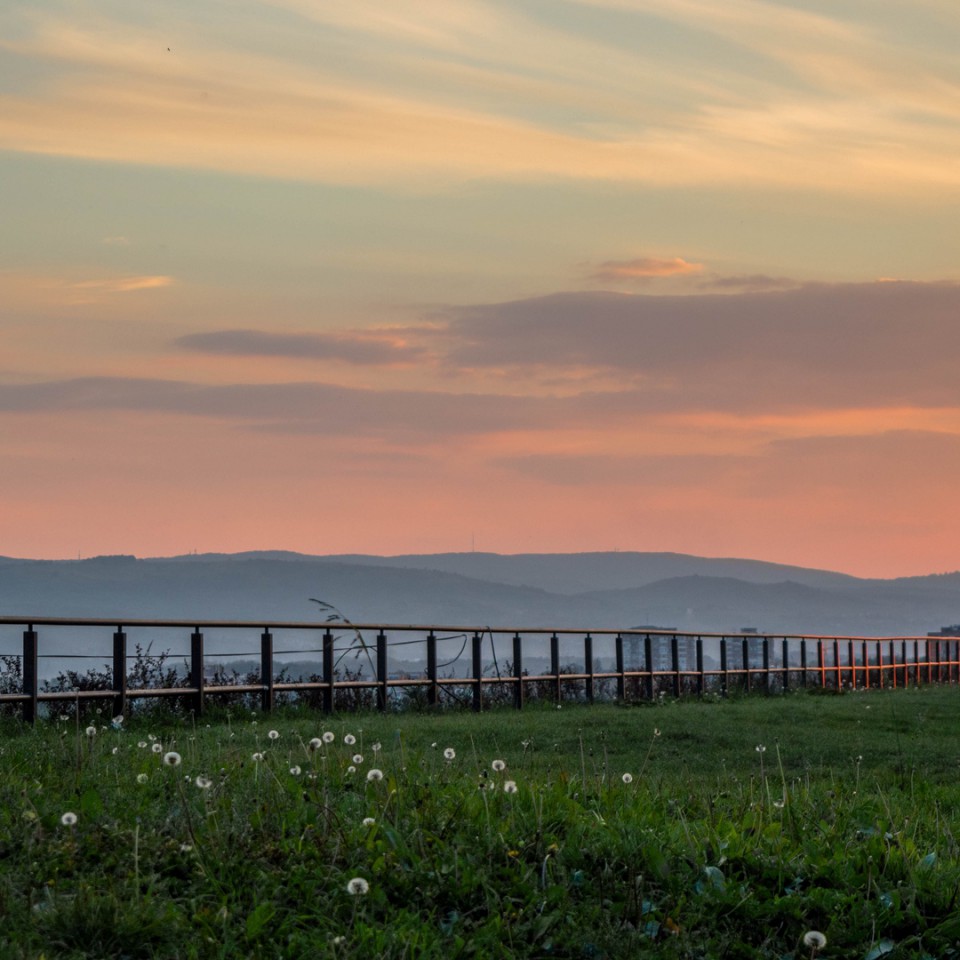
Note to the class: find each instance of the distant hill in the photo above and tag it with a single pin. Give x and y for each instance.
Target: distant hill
(589, 590)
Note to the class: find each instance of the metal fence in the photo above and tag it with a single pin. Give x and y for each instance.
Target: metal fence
(491, 665)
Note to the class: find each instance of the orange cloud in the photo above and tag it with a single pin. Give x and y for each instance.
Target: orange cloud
(124, 284)
(645, 268)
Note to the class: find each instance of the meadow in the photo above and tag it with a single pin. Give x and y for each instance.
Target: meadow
(794, 826)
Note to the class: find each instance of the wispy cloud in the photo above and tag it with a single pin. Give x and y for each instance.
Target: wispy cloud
(446, 104)
(123, 284)
(646, 268)
(366, 347)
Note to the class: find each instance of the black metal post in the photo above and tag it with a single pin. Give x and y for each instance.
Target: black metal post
(196, 670)
(745, 654)
(31, 675)
(119, 672)
(785, 653)
(675, 666)
(433, 690)
(266, 670)
(477, 672)
(701, 677)
(327, 654)
(588, 666)
(621, 679)
(518, 690)
(724, 671)
(383, 676)
(648, 658)
(555, 667)
(766, 665)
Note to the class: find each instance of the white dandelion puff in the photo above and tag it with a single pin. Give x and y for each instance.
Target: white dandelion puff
(142, 778)
(449, 754)
(328, 737)
(315, 744)
(256, 757)
(375, 747)
(295, 771)
(91, 731)
(69, 819)
(157, 748)
(369, 821)
(204, 783)
(349, 739)
(172, 758)
(374, 774)
(351, 769)
(498, 766)
(814, 939)
(627, 778)
(510, 786)
(274, 734)
(357, 887)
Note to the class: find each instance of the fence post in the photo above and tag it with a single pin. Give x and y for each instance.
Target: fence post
(31, 675)
(555, 666)
(477, 672)
(588, 666)
(745, 656)
(864, 653)
(433, 690)
(893, 664)
(724, 672)
(701, 678)
(903, 660)
(266, 670)
(852, 661)
(821, 665)
(675, 665)
(621, 679)
(327, 655)
(837, 672)
(120, 672)
(518, 671)
(803, 662)
(648, 658)
(785, 653)
(766, 665)
(383, 687)
(196, 670)
(929, 659)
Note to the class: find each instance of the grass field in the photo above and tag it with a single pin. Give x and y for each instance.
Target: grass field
(692, 829)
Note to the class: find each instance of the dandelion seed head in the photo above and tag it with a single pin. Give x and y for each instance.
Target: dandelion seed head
(498, 765)
(91, 731)
(375, 748)
(142, 744)
(761, 748)
(115, 751)
(357, 887)
(351, 769)
(814, 939)
(295, 771)
(151, 737)
(449, 754)
(315, 744)
(374, 774)
(256, 757)
(627, 778)
(328, 737)
(204, 783)
(157, 748)
(349, 739)
(274, 734)
(172, 758)
(358, 758)
(510, 786)
(69, 818)
(142, 778)
(369, 821)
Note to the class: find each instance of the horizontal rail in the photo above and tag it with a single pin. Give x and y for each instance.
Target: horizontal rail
(660, 662)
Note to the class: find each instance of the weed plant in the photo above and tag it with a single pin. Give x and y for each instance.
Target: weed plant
(786, 827)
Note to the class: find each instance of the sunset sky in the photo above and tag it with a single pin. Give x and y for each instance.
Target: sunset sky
(409, 276)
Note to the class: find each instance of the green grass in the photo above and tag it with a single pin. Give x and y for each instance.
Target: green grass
(745, 824)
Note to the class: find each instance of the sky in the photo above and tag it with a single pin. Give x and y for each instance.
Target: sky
(384, 276)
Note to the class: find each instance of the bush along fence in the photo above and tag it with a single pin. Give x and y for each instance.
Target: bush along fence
(340, 665)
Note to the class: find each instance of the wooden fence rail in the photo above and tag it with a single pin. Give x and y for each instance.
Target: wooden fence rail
(621, 664)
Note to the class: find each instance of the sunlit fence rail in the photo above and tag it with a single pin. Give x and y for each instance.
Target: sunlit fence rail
(336, 665)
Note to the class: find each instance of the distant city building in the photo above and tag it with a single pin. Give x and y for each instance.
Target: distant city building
(951, 631)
